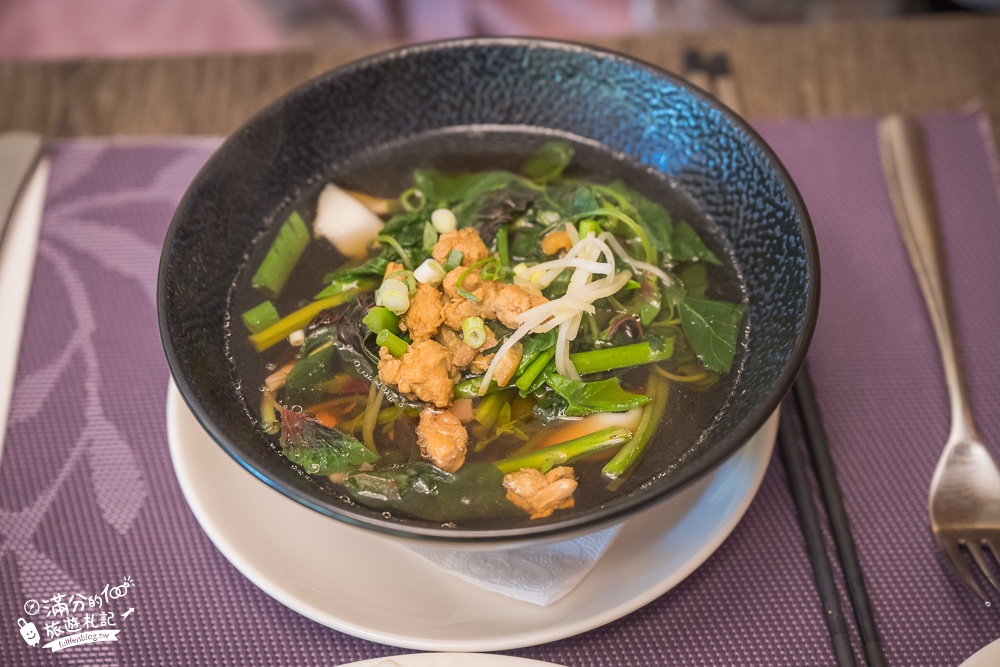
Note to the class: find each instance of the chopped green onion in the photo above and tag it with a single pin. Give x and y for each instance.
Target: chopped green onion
(260, 317)
(430, 273)
(381, 319)
(474, 332)
(282, 256)
(453, 261)
(491, 269)
(503, 249)
(404, 256)
(280, 330)
(405, 276)
(430, 238)
(444, 220)
(394, 295)
(412, 199)
(486, 272)
(395, 344)
(549, 457)
(470, 388)
(589, 226)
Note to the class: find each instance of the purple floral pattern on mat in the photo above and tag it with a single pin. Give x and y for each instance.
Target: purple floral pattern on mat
(88, 495)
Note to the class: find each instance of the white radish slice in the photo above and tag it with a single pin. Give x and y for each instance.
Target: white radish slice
(345, 222)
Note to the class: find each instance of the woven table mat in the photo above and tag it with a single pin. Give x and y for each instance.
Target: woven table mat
(88, 498)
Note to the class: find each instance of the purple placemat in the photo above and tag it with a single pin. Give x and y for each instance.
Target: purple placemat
(92, 521)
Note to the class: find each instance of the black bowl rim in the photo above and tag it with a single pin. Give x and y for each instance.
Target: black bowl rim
(596, 517)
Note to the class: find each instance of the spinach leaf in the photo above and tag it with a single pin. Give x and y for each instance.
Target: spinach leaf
(648, 300)
(548, 163)
(303, 382)
(571, 198)
(688, 246)
(439, 188)
(711, 328)
(584, 398)
(424, 491)
(695, 278)
(320, 450)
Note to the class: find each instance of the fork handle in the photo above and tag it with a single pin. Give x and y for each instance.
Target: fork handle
(911, 188)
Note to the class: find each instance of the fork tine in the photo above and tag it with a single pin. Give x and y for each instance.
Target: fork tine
(976, 550)
(957, 561)
(994, 547)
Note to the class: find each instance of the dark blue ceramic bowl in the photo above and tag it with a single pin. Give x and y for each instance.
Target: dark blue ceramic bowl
(478, 103)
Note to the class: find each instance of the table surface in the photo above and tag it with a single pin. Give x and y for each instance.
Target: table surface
(913, 64)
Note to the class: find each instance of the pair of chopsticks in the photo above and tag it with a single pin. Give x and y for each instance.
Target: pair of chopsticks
(807, 415)
(714, 75)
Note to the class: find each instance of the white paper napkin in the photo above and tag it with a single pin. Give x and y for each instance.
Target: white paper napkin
(540, 574)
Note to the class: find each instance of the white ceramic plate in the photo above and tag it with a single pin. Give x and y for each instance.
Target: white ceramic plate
(372, 587)
(17, 260)
(988, 656)
(450, 660)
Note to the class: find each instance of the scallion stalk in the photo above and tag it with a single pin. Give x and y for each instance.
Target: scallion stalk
(412, 199)
(503, 247)
(389, 340)
(430, 238)
(565, 452)
(260, 317)
(380, 319)
(474, 332)
(281, 257)
(453, 260)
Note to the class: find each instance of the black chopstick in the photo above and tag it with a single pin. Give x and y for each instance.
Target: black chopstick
(840, 525)
(810, 524)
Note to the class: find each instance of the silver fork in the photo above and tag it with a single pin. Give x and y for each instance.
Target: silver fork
(964, 501)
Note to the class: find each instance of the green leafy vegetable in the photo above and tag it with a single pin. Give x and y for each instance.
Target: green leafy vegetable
(712, 328)
(426, 492)
(318, 449)
(548, 163)
(695, 279)
(584, 398)
(303, 384)
(688, 246)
